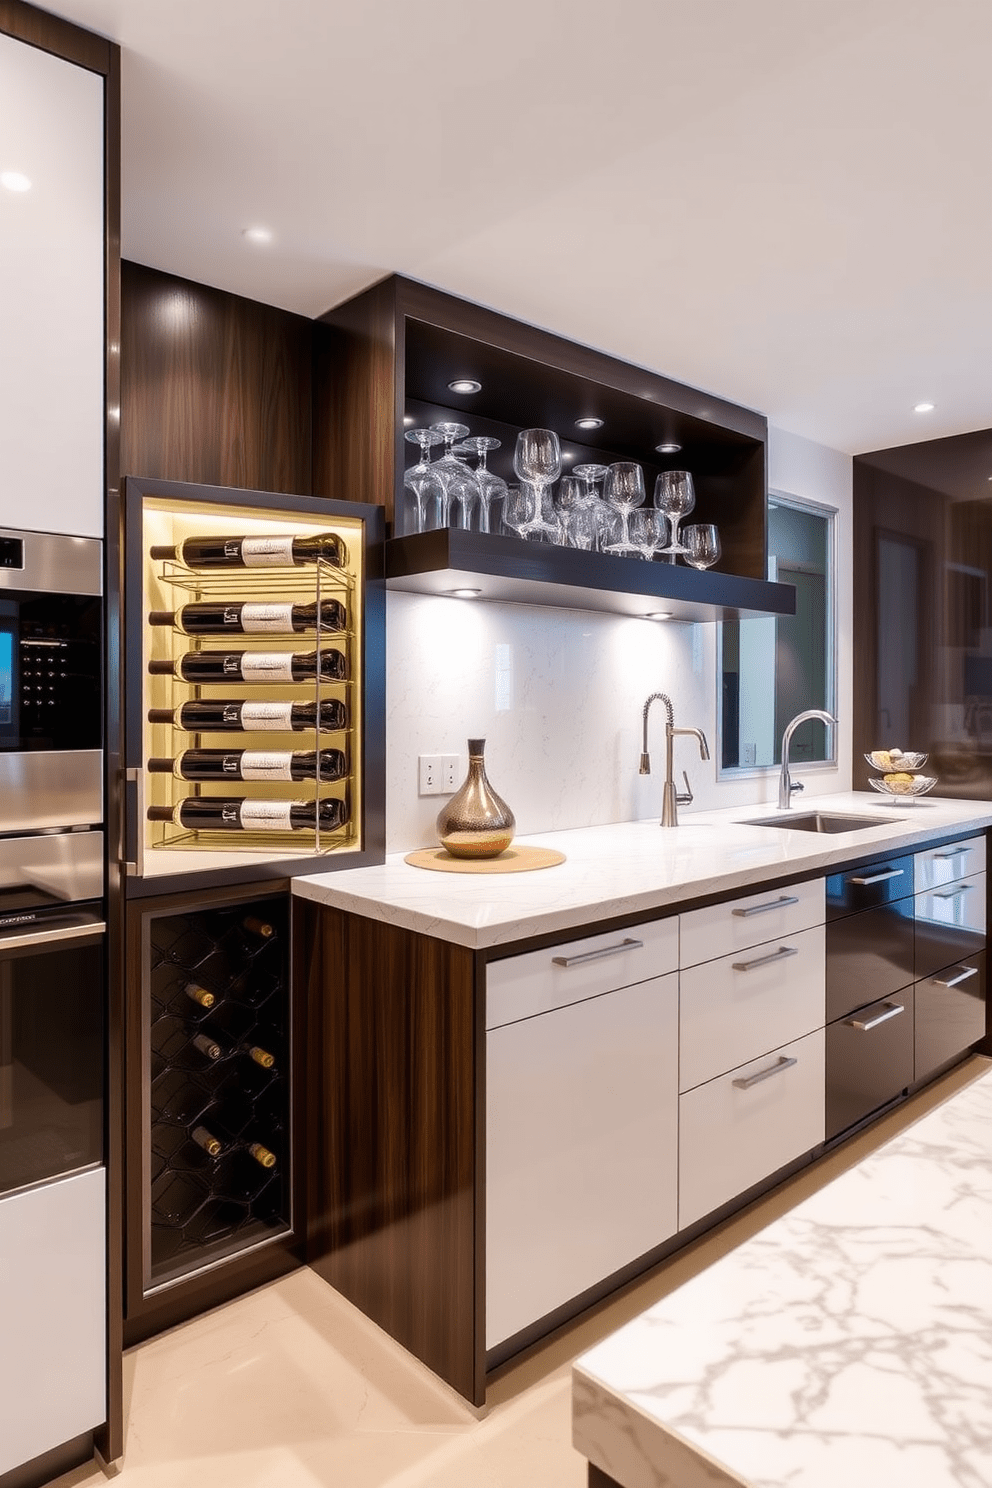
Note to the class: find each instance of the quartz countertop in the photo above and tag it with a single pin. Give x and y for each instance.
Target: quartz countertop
(632, 868)
(849, 1343)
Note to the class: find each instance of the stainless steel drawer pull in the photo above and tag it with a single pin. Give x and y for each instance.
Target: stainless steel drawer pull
(879, 877)
(951, 852)
(893, 1009)
(745, 914)
(612, 950)
(780, 1064)
(954, 981)
(779, 955)
(951, 893)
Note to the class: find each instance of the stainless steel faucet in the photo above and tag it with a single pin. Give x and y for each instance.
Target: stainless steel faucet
(671, 800)
(785, 782)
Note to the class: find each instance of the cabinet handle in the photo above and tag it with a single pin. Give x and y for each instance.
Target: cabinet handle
(879, 877)
(952, 852)
(745, 914)
(951, 893)
(780, 1064)
(893, 1011)
(779, 955)
(613, 950)
(962, 976)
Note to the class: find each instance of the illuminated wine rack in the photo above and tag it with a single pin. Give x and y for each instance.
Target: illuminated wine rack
(218, 1071)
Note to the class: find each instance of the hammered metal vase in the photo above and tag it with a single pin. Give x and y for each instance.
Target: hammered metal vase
(475, 823)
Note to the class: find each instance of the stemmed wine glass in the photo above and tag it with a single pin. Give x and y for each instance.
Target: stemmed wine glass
(702, 545)
(537, 461)
(647, 532)
(674, 495)
(491, 487)
(591, 501)
(568, 500)
(422, 482)
(624, 492)
(460, 489)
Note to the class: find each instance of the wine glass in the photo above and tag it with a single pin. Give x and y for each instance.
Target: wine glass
(460, 489)
(491, 487)
(537, 461)
(582, 528)
(647, 532)
(422, 482)
(592, 501)
(517, 511)
(674, 495)
(702, 545)
(567, 501)
(624, 492)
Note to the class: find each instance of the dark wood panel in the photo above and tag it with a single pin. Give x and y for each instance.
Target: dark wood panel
(214, 388)
(600, 1479)
(393, 1045)
(51, 34)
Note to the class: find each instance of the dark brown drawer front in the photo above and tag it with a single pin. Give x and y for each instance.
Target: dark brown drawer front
(869, 956)
(862, 888)
(870, 1060)
(950, 1013)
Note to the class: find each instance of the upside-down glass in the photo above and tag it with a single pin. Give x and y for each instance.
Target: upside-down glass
(675, 497)
(702, 545)
(491, 487)
(421, 480)
(624, 492)
(592, 501)
(460, 489)
(537, 461)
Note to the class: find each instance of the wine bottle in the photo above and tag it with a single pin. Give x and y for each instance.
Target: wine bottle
(240, 715)
(207, 1141)
(241, 814)
(261, 1056)
(199, 994)
(253, 764)
(207, 1045)
(252, 617)
(253, 666)
(258, 927)
(274, 551)
(261, 1154)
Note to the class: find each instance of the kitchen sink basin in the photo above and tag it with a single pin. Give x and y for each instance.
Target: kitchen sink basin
(822, 821)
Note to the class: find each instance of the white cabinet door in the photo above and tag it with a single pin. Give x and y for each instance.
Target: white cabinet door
(734, 924)
(52, 419)
(581, 1148)
(53, 1316)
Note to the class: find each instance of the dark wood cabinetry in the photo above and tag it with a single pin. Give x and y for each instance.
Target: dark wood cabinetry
(384, 360)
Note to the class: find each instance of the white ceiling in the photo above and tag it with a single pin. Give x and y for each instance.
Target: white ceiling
(785, 202)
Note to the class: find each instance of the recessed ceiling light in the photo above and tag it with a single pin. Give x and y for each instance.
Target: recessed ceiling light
(465, 385)
(15, 181)
(669, 448)
(923, 408)
(464, 593)
(257, 235)
(589, 423)
(659, 615)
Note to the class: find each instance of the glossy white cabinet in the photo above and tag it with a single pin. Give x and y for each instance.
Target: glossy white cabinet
(734, 1009)
(53, 1309)
(581, 1147)
(52, 350)
(936, 866)
(736, 924)
(746, 1124)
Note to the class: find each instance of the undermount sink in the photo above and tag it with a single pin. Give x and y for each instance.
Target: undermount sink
(822, 821)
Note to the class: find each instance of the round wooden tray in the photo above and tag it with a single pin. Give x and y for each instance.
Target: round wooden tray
(511, 860)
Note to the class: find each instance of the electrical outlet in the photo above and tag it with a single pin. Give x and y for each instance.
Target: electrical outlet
(449, 772)
(429, 775)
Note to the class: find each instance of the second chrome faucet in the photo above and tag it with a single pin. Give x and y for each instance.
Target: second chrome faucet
(671, 799)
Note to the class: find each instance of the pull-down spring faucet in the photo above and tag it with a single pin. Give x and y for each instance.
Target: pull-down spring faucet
(671, 799)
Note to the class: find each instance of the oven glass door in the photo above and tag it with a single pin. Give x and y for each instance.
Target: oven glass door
(50, 685)
(51, 1053)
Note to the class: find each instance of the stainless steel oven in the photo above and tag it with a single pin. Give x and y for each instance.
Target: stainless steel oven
(51, 694)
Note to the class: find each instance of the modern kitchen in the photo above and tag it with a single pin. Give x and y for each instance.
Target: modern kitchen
(495, 786)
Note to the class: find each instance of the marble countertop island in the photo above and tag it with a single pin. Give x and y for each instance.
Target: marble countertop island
(633, 868)
(848, 1345)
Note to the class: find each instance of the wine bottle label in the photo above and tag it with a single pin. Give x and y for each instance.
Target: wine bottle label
(266, 552)
(267, 666)
(266, 716)
(256, 618)
(266, 816)
(259, 764)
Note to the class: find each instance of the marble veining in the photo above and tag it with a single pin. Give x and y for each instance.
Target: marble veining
(628, 868)
(849, 1344)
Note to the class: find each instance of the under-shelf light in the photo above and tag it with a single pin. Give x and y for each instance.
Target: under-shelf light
(668, 448)
(659, 615)
(465, 385)
(464, 593)
(589, 423)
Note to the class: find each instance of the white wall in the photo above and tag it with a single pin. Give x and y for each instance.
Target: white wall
(558, 694)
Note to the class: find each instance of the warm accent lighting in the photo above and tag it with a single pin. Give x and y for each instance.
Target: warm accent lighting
(589, 423)
(659, 615)
(465, 385)
(923, 408)
(15, 181)
(258, 235)
(669, 448)
(464, 593)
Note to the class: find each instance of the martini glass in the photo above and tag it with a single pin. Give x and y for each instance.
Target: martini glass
(491, 487)
(460, 489)
(421, 481)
